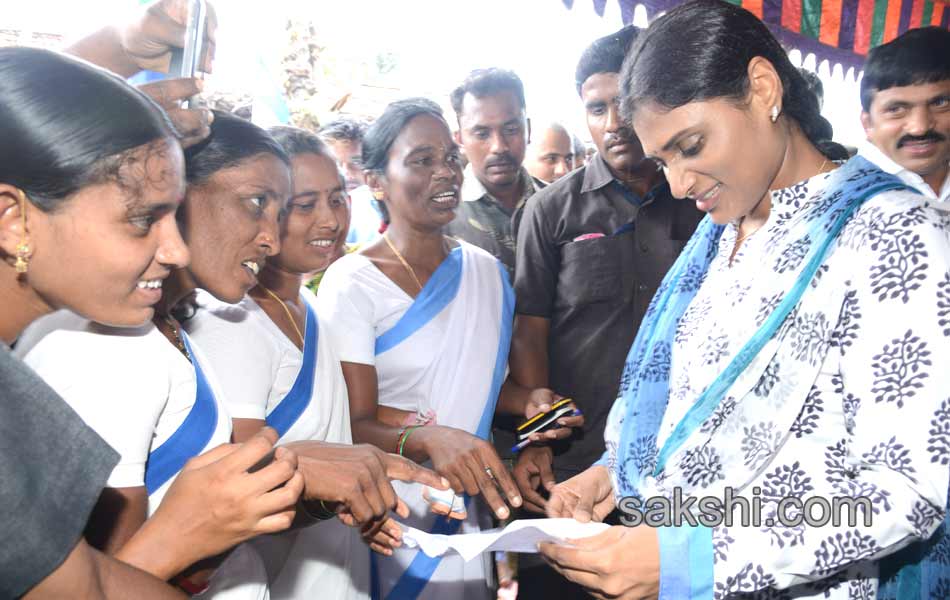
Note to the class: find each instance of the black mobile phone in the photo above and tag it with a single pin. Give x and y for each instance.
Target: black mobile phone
(545, 421)
(186, 62)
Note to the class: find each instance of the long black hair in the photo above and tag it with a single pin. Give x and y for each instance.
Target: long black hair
(700, 51)
(65, 124)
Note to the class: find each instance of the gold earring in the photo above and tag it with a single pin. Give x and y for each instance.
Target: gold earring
(22, 264)
(378, 194)
(774, 114)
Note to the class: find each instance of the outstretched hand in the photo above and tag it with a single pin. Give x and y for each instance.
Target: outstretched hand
(149, 37)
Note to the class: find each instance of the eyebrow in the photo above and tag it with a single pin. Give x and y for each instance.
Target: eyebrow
(672, 142)
(256, 189)
(591, 104)
(334, 189)
(429, 148)
(420, 150)
(143, 207)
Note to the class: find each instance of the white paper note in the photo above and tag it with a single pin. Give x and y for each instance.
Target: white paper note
(519, 536)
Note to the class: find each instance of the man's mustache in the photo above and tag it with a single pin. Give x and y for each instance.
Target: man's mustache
(502, 160)
(930, 136)
(623, 136)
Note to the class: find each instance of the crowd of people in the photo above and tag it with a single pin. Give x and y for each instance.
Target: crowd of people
(238, 362)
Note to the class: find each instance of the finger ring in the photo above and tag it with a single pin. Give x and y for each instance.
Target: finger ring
(490, 474)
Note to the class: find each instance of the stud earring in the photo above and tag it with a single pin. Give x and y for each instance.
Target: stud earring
(22, 264)
(774, 114)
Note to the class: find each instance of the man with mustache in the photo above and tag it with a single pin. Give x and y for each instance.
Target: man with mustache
(592, 249)
(493, 132)
(905, 97)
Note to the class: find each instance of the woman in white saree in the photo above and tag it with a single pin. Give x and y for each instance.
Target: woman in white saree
(791, 351)
(283, 371)
(422, 324)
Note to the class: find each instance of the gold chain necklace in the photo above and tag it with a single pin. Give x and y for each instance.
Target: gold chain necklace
(179, 343)
(746, 236)
(290, 317)
(403, 261)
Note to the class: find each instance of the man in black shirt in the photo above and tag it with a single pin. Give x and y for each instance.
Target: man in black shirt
(592, 249)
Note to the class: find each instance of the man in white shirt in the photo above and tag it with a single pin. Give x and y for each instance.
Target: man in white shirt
(905, 96)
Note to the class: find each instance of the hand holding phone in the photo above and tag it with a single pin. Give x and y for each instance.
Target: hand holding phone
(186, 61)
(547, 421)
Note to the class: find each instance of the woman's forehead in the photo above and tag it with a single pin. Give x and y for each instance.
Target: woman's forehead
(262, 169)
(423, 130)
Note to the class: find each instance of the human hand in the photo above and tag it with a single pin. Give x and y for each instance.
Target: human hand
(539, 401)
(215, 504)
(148, 38)
(445, 502)
(193, 123)
(470, 465)
(533, 469)
(602, 563)
(382, 536)
(586, 496)
(358, 477)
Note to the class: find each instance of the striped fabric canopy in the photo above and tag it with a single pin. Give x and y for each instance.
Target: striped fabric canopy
(841, 31)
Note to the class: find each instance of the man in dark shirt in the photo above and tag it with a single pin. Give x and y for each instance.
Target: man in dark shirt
(592, 249)
(493, 132)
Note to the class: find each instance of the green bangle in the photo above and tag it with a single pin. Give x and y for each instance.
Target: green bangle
(317, 510)
(405, 436)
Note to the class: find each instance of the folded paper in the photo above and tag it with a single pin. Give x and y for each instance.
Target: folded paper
(519, 536)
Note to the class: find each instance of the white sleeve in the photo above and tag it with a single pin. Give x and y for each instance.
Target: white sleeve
(242, 353)
(117, 390)
(347, 308)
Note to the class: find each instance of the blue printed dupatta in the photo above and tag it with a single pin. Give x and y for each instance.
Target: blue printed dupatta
(638, 463)
(191, 437)
(464, 276)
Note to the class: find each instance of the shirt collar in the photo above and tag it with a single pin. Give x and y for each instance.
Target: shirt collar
(473, 190)
(886, 164)
(596, 174)
(883, 161)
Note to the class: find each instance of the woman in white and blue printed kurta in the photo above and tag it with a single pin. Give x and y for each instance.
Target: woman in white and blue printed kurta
(800, 359)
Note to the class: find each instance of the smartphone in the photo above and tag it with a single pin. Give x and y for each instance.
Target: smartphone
(544, 421)
(186, 62)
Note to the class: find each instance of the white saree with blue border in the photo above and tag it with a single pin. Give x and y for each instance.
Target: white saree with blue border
(445, 353)
(303, 396)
